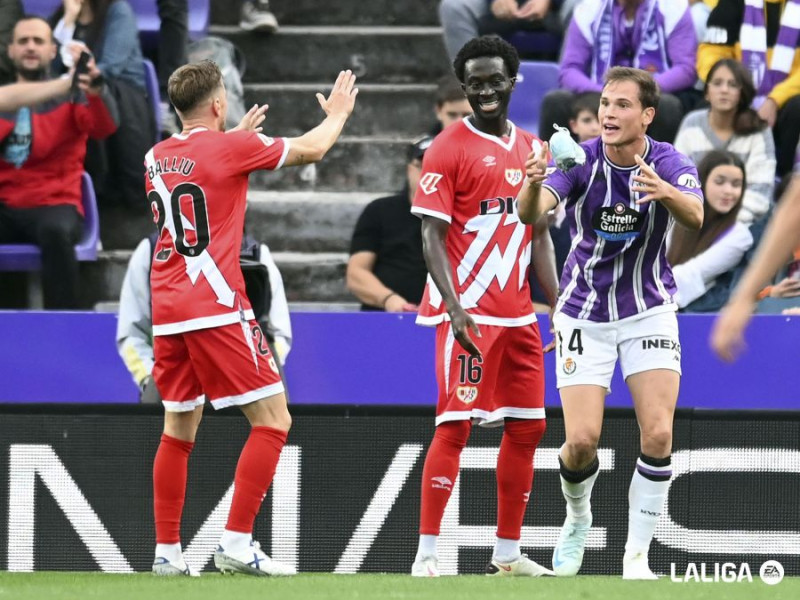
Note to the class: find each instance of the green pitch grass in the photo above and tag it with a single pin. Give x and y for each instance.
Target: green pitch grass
(86, 586)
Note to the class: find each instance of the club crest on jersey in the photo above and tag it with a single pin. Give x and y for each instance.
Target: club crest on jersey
(467, 394)
(569, 366)
(514, 176)
(428, 181)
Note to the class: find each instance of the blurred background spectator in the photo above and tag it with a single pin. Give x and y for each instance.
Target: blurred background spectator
(463, 20)
(135, 325)
(173, 40)
(655, 35)
(107, 28)
(43, 149)
(764, 36)
(451, 103)
(386, 270)
(583, 121)
(256, 16)
(731, 124)
(701, 258)
(10, 12)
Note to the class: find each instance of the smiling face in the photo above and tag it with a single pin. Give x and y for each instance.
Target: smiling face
(724, 188)
(623, 120)
(488, 87)
(724, 90)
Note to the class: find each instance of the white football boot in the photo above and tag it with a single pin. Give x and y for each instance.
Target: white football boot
(568, 553)
(635, 567)
(425, 567)
(250, 561)
(165, 567)
(522, 567)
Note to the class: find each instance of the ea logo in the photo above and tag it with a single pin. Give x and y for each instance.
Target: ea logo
(771, 572)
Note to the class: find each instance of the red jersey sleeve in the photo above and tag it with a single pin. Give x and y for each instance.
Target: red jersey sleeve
(255, 151)
(436, 189)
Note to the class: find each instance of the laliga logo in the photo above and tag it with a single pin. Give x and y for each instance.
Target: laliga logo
(771, 573)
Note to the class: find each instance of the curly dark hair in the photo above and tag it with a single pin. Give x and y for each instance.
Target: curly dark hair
(487, 45)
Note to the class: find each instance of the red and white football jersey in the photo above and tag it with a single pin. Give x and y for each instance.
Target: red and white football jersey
(471, 180)
(197, 189)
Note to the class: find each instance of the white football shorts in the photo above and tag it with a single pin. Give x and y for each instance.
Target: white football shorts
(587, 351)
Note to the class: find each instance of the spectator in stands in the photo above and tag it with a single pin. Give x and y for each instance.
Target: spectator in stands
(43, 147)
(700, 11)
(463, 20)
(583, 121)
(700, 257)
(386, 270)
(451, 103)
(10, 12)
(768, 50)
(264, 287)
(107, 28)
(731, 124)
(655, 35)
(256, 16)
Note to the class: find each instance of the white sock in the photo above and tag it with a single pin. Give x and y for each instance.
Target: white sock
(172, 552)
(578, 496)
(234, 541)
(645, 504)
(427, 546)
(506, 551)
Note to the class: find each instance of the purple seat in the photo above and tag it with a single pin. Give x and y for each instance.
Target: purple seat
(534, 80)
(27, 257)
(146, 17)
(538, 44)
(153, 94)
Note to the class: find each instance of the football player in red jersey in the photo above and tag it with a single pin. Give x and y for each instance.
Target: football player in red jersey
(478, 253)
(206, 342)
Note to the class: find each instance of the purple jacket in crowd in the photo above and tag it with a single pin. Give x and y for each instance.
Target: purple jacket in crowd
(661, 40)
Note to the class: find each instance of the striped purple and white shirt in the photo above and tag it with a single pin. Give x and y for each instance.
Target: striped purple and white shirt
(617, 265)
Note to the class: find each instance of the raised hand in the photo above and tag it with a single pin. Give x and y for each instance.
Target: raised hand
(727, 334)
(536, 165)
(253, 119)
(342, 98)
(649, 183)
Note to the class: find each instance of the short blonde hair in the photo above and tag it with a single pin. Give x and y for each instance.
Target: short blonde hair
(191, 84)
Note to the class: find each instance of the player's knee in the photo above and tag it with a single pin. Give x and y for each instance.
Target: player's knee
(527, 432)
(454, 433)
(580, 451)
(657, 440)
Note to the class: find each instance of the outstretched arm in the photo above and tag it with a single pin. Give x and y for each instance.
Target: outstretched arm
(16, 95)
(780, 238)
(434, 233)
(313, 145)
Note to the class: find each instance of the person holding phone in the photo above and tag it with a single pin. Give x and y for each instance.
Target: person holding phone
(42, 147)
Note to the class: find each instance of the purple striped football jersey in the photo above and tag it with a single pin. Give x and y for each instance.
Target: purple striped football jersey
(617, 265)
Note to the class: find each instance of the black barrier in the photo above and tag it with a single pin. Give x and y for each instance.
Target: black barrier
(76, 491)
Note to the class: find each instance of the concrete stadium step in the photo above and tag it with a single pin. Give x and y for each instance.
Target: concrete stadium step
(353, 164)
(307, 277)
(286, 221)
(313, 54)
(341, 12)
(381, 109)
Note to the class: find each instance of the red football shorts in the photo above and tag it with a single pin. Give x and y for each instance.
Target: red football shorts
(507, 381)
(231, 365)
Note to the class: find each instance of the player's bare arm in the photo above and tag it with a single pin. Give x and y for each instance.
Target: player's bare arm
(338, 106)
(544, 267)
(434, 233)
(533, 201)
(780, 238)
(685, 208)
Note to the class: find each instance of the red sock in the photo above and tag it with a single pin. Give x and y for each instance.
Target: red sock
(170, 468)
(254, 473)
(440, 472)
(515, 474)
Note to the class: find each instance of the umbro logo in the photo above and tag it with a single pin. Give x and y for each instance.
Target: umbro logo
(441, 483)
(489, 160)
